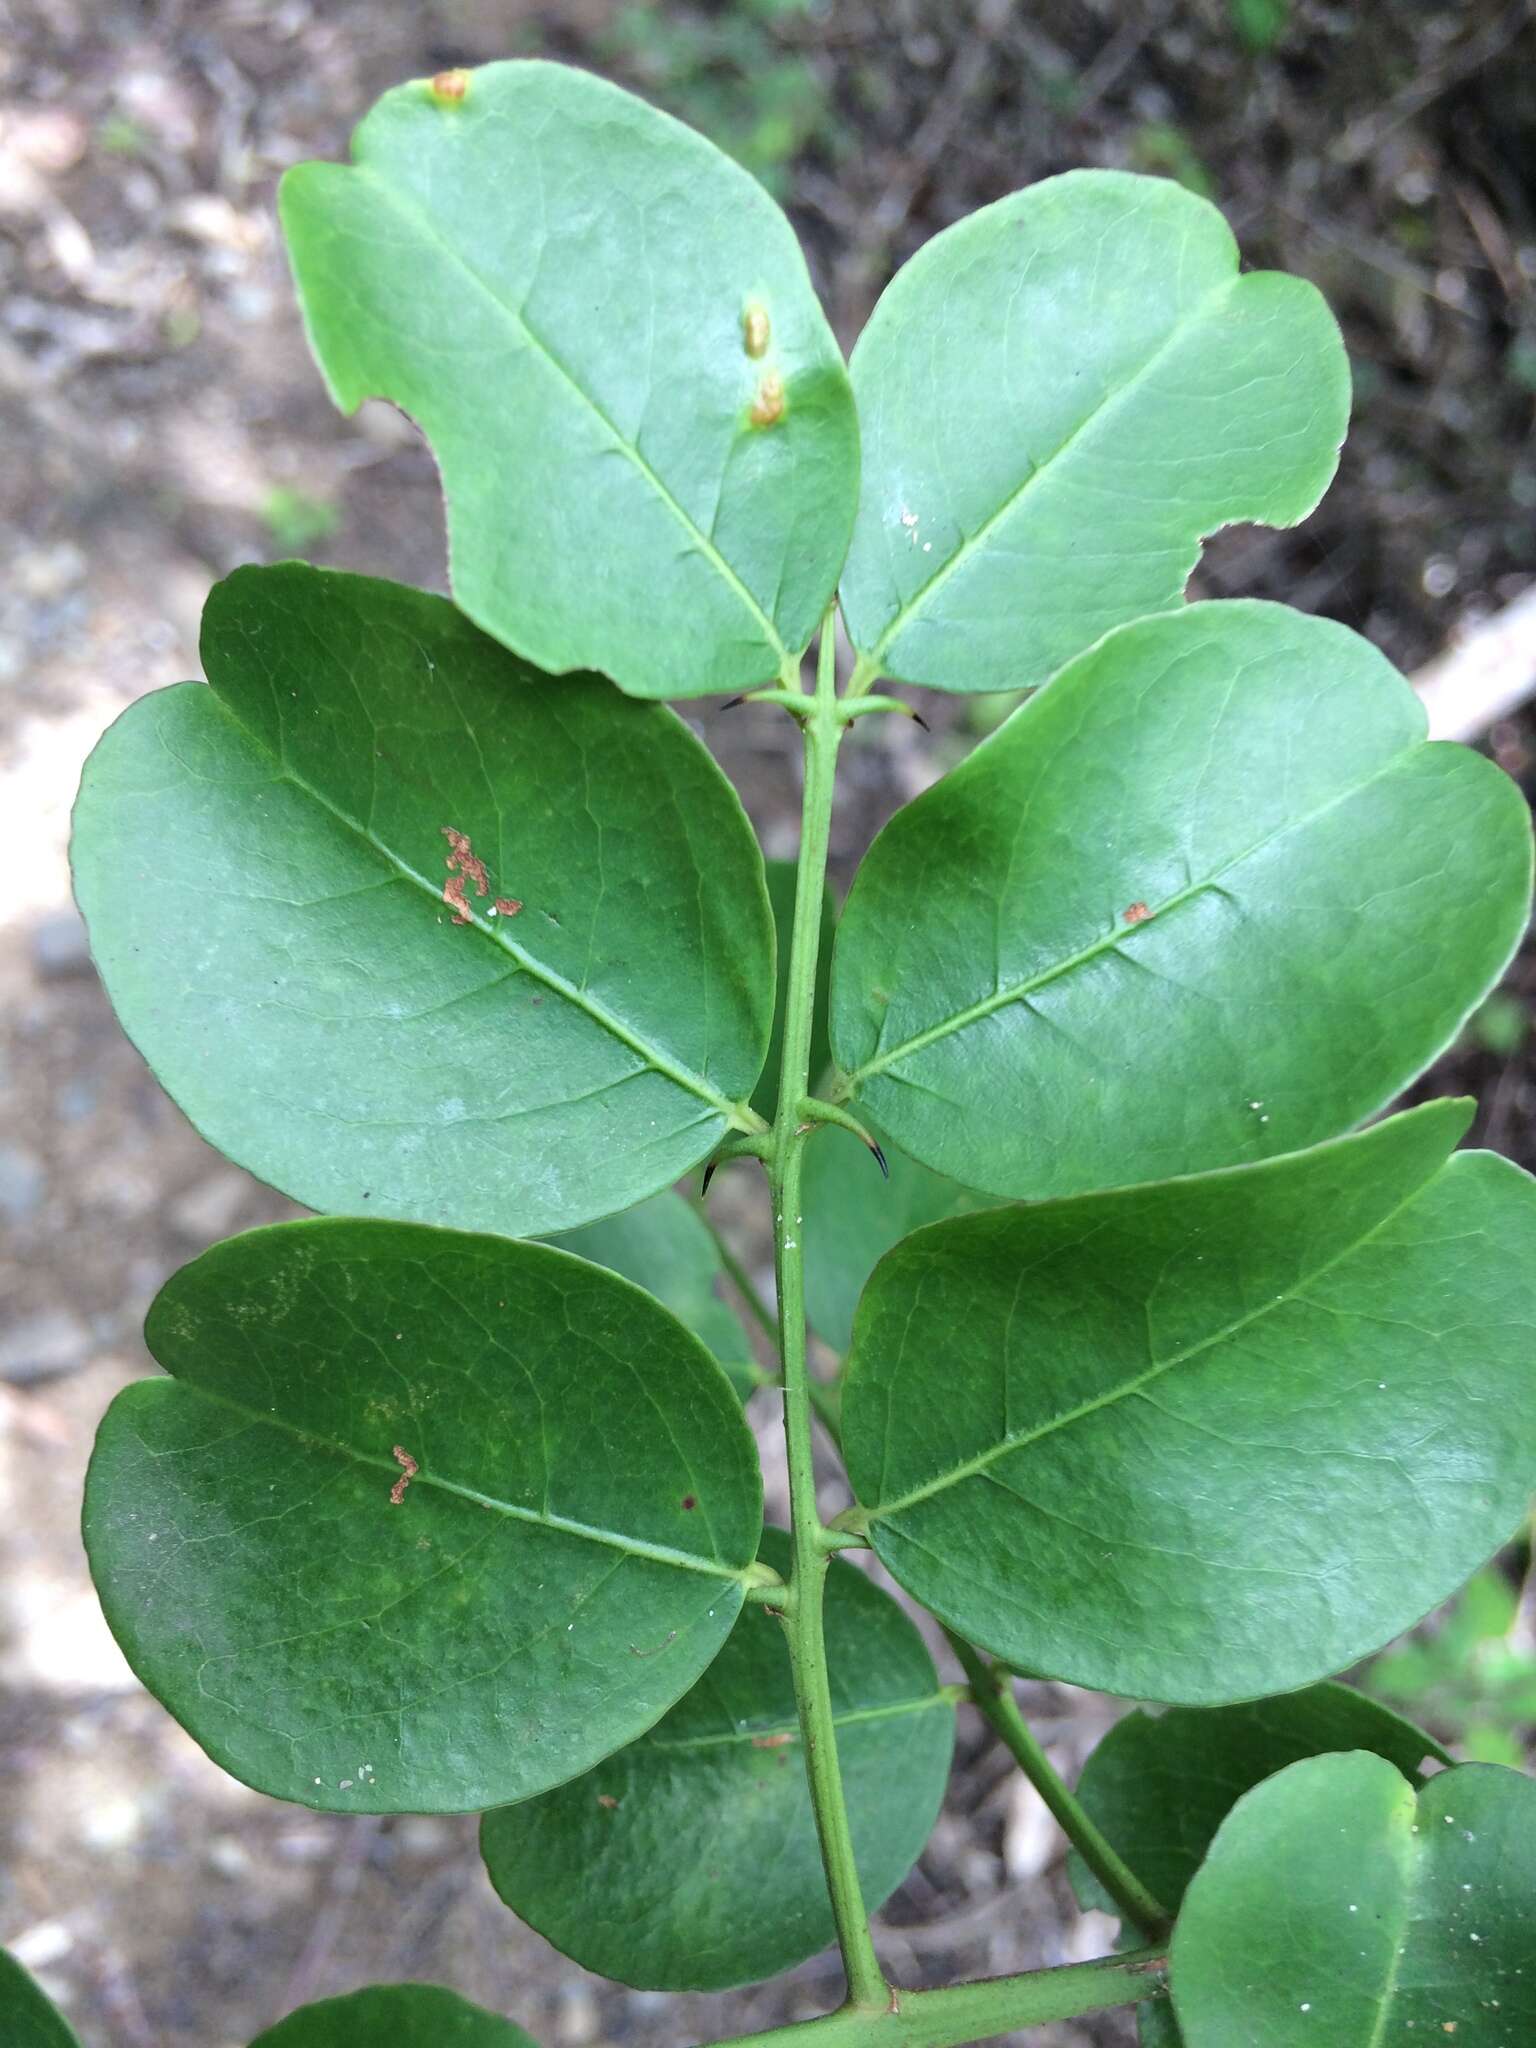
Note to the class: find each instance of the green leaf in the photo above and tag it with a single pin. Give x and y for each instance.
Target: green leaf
(1210, 1439)
(31, 2020)
(1059, 397)
(423, 1522)
(653, 1867)
(664, 1247)
(1160, 1785)
(606, 330)
(781, 894)
(853, 1217)
(271, 869)
(394, 2016)
(1336, 1908)
(1208, 898)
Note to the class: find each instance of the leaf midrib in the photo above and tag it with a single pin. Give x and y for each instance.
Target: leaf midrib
(423, 223)
(611, 1539)
(736, 1114)
(984, 1460)
(973, 541)
(1118, 935)
(757, 1736)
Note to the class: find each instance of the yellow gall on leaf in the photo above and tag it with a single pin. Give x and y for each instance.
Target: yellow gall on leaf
(756, 330)
(768, 406)
(449, 87)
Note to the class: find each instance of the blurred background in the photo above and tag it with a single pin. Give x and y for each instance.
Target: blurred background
(160, 423)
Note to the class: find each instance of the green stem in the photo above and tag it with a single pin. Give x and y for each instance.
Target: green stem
(962, 2013)
(992, 1691)
(803, 1624)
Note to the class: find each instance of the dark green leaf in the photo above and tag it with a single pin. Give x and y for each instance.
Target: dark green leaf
(689, 1860)
(853, 1217)
(566, 1557)
(1335, 1908)
(1059, 397)
(29, 2019)
(665, 1248)
(270, 868)
(1208, 898)
(1160, 1785)
(606, 330)
(394, 2016)
(1211, 1439)
(781, 894)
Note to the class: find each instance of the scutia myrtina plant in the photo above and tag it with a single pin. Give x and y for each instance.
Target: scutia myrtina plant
(1169, 1369)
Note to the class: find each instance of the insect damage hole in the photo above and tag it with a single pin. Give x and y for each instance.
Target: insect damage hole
(408, 1470)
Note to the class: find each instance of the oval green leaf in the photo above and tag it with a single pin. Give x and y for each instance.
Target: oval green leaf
(1212, 1439)
(1335, 1907)
(30, 2019)
(853, 1217)
(1060, 396)
(410, 930)
(1208, 898)
(1160, 1785)
(665, 1247)
(651, 1868)
(422, 1522)
(394, 2016)
(606, 330)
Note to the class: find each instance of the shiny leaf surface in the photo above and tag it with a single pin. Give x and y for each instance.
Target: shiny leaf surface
(1207, 898)
(1245, 1428)
(410, 930)
(394, 2016)
(422, 1521)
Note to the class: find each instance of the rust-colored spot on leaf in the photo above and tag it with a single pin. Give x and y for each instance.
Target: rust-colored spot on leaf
(768, 406)
(690, 1500)
(462, 855)
(408, 1470)
(755, 329)
(449, 87)
(1137, 913)
(772, 1741)
(507, 906)
(453, 896)
(607, 1801)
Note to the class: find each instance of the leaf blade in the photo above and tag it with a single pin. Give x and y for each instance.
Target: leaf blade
(721, 517)
(1211, 1360)
(276, 869)
(1119, 378)
(413, 1438)
(393, 2016)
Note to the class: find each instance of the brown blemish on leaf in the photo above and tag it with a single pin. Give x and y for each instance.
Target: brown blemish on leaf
(453, 896)
(1136, 913)
(768, 406)
(607, 1801)
(690, 1500)
(507, 906)
(462, 855)
(448, 88)
(755, 330)
(408, 1470)
(772, 1741)
(656, 1648)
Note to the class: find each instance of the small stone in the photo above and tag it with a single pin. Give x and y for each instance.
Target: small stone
(22, 1181)
(42, 1347)
(208, 1209)
(60, 948)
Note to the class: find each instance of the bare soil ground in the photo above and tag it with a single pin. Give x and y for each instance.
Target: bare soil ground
(162, 423)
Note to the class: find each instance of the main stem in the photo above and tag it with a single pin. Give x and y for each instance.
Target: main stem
(867, 1989)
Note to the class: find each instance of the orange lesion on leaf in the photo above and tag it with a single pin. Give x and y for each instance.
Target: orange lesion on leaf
(755, 329)
(408, 1470)
(1136, 913)
(466, 870)
(507, 906)
(768, 406)
(772, 1741)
